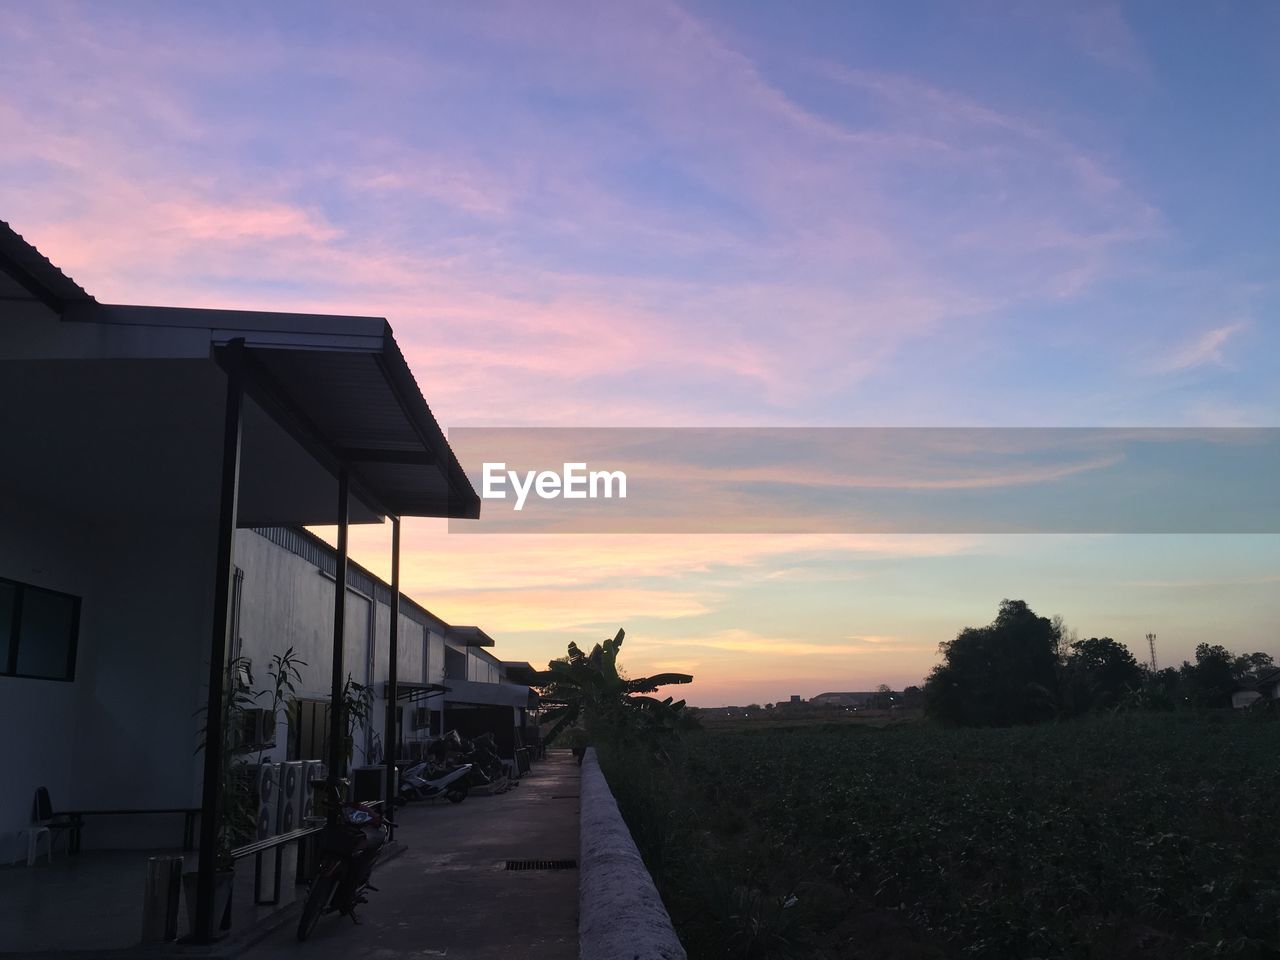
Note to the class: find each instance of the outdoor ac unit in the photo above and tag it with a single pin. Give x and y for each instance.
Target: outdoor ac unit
(259, 728)
(292, 791)
(313, 772)
(264, 794)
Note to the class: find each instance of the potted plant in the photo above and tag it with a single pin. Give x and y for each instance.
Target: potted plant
(357, 711)
(285, 675)
(356, 706)
(235, 800)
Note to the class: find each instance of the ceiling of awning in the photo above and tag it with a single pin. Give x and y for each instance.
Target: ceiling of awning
(140, 440)
(364, 410)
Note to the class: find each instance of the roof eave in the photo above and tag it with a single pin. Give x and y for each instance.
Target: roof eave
(464, 502)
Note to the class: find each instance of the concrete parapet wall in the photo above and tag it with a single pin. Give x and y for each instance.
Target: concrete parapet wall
(620, 915)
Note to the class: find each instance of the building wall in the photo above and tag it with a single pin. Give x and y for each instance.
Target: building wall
(435, 668)
(287, 601)
(137, 717)
(46, 548)
(123, 733)
(481, 668)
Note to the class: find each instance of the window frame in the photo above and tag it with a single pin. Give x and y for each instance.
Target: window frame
(9, 669)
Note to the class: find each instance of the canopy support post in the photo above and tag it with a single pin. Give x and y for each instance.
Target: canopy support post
(337, 718)
(215, 706)
(392, 738)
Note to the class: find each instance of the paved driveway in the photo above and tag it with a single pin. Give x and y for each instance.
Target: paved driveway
(450, 894)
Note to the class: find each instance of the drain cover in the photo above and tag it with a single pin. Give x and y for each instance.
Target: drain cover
(542, 864)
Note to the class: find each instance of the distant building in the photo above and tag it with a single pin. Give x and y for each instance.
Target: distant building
(795, 698)
(844, 699)
(1265, 686)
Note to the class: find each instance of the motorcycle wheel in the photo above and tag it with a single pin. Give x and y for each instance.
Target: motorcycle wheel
(321, 890)
(456, 794)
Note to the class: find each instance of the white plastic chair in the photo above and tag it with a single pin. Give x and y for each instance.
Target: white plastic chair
(45, 821)
(34, 833)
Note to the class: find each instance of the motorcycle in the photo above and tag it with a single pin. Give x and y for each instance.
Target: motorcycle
(427, 781)
(347, 855)
(489, 770)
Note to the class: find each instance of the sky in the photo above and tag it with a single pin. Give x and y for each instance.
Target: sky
(714, 214)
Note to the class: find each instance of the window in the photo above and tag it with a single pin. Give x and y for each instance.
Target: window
(38, 630)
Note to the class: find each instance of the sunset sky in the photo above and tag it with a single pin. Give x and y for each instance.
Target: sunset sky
(753, 215)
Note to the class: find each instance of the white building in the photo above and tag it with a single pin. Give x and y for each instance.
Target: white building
(139, 444)
(284, 600)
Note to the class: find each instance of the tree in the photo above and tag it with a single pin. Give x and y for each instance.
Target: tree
(1098, 674)
(1159, 690)
(912, 697)
(1209, 681)
(997, 675)
(1250, 665)
(882, 699)
(591, 690)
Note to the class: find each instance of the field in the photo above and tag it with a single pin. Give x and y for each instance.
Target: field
(1143, 835)
(791, 720)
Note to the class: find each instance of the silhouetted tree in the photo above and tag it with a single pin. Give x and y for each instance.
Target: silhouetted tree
(1251, 665)
(1001, 674)
(1098, 674)
(882, 699)
(1209, 681)
(591, 689)
(1160, 690)
(912, 697)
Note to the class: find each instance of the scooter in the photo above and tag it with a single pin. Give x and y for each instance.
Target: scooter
(425, 781)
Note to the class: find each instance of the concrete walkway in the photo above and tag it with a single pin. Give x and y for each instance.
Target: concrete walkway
(449, 893)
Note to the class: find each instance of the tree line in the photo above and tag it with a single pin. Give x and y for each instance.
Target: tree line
(1023, 668)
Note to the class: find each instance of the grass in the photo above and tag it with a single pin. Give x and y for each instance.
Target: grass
(1141, 835)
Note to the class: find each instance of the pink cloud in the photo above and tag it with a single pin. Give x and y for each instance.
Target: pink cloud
(835, 260)
(1202, 350)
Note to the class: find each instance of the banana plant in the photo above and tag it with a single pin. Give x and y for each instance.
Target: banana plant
(590, 689)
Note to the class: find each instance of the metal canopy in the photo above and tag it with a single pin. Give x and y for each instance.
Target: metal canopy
(470, 636)
(474, 693)
(338, 385)
(413, 692)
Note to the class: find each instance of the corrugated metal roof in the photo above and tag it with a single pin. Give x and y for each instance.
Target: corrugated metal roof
(27, 274)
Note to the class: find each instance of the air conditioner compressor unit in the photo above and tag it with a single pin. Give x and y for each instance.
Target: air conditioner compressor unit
(293, 790)
(264, 795)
